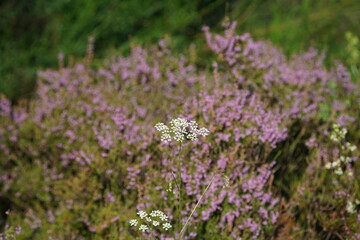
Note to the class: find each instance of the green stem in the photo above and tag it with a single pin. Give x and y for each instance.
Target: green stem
(197, 204)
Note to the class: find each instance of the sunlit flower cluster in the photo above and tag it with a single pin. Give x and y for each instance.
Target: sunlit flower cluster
(338, 136)
(338, 133)
(350, 207)
(143, 228)
(180, 129)
(142, 214)
(133, 222)
(150, 221)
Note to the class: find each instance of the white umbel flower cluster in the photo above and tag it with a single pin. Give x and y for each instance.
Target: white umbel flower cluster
(133, 222)
(180, 129)
(165, 131)
(142, 214)
(143, 228)
(158, 213)
(152, 220)
(166, 226)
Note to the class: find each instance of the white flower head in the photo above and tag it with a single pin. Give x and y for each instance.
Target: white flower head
(143, 228)
(142, 214)
(165, 137)
(133, 222)
(167, 226)
(156, 213)
(154, 219)
(153, 214)
(180, 129)
(163, 217)
(162, 127)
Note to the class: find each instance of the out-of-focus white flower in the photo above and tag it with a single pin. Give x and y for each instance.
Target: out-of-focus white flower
(167, 226)
(143, 228)
(345, 159)
(333, 164)
(155, 223)
(180, 129)
(148, 219)
(336, 163)
(133, 222)
(328, 165)
(339, 171)
(338, 133)
(350, 146)
(350, 207)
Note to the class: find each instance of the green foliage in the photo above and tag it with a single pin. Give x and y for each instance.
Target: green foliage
(353, 55)
(33, 33)
(296, 25)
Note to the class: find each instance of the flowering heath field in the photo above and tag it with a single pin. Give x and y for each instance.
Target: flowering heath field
(237, 141)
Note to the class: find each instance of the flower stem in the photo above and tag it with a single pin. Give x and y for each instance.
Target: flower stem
(179, 186)
(197, 204)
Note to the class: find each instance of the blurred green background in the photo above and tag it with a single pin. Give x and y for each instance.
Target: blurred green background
(32, 33)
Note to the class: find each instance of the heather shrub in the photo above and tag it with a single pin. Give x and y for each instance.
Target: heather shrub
(83, 157)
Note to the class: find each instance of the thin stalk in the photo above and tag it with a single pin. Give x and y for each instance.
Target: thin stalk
(152, 234)
(197, 204)
(179, 185)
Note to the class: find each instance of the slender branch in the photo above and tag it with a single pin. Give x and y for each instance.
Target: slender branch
(152, 234)
(197, 204)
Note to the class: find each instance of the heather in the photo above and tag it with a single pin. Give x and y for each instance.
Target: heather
(82, 158)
